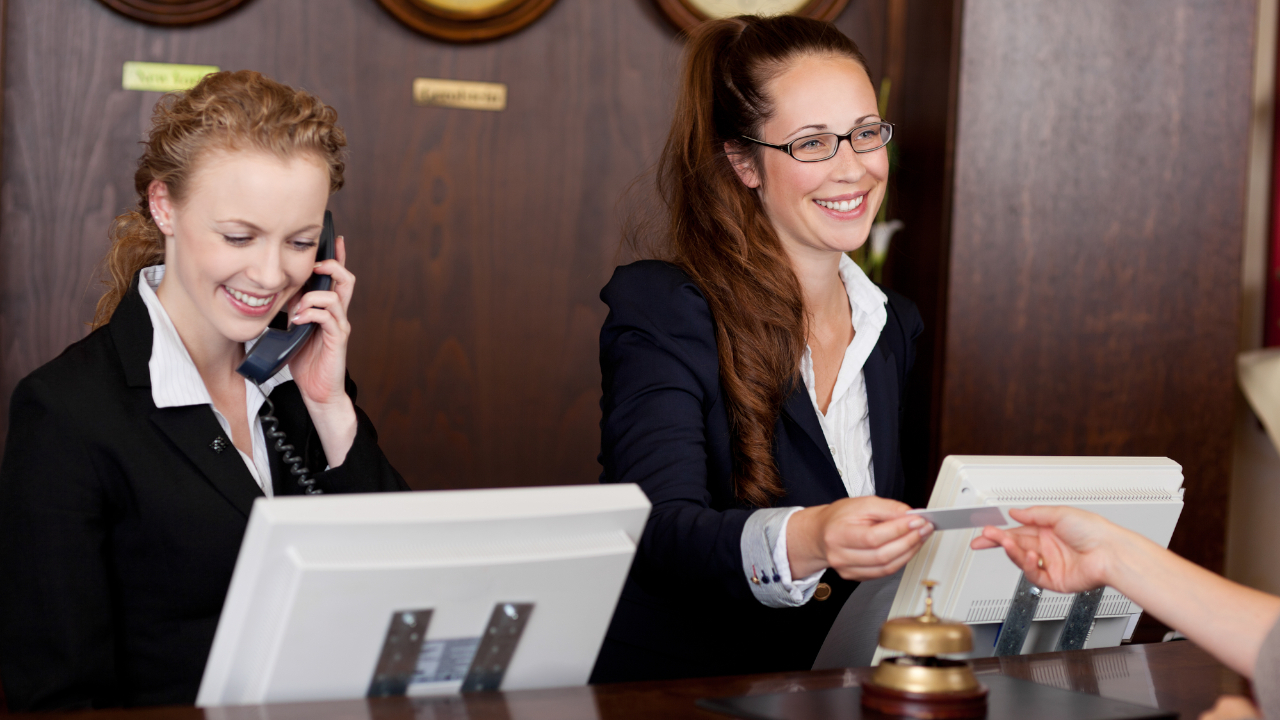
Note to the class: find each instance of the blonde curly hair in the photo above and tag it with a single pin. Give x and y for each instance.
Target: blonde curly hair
(241, 110)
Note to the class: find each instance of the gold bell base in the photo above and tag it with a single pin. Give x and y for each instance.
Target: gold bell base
(926, 706)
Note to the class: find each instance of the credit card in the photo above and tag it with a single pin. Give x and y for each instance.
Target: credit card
(963, 517)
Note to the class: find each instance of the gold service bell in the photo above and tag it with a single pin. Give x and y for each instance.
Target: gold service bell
(920, 684)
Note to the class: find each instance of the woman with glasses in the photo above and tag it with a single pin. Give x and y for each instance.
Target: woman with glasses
(753, 376)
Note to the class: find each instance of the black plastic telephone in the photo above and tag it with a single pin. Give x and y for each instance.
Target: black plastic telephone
(277, 347)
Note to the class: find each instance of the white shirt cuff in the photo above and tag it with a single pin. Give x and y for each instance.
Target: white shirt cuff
(799, 590)
(764, 560)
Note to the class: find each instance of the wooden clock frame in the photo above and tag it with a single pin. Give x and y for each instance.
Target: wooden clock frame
(173, 12)
(465, 27)
(685, 16)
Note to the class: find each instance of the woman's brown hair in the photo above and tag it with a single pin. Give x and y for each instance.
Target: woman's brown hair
(241, 110)
(718, 232)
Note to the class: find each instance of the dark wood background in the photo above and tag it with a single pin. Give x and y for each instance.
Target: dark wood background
(1078, 271)
(924, 44)
(480, 240)
(1098, 212)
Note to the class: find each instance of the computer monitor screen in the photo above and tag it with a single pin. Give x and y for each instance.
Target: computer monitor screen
(977, 587)
(418, 593)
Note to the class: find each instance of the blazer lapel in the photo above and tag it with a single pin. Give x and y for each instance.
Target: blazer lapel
(881, 374)
(193, 428)
(799, 408)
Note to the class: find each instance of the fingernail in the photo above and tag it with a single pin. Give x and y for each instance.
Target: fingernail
(317, 265)
(924, 531)
(915, 524)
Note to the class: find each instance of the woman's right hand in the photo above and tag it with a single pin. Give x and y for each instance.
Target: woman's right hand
(1059, 548)
(860, 538)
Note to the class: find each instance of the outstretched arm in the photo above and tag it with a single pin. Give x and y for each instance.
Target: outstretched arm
(1069, 550)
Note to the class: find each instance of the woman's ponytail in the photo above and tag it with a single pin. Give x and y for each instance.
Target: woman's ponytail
(136, 243)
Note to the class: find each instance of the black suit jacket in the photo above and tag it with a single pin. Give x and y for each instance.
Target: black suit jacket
(120, 524)
(687, 609)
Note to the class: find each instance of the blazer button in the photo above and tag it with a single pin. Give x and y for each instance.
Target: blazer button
(822, 592)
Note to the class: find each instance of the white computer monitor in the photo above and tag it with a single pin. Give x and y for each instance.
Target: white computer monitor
(976, 587)
(514, 587)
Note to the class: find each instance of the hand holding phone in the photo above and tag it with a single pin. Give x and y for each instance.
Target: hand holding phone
(277, 347)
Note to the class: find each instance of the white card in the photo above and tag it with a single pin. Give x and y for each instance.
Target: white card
(963, 517)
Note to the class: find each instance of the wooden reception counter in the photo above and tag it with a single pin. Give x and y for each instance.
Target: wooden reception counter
(1175, 676)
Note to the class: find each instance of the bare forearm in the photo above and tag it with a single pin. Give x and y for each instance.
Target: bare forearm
(1226, 619)
(336, 426)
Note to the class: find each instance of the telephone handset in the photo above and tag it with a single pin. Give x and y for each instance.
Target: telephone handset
(277, 347)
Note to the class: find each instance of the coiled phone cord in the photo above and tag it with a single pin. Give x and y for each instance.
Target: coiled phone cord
(271, 427)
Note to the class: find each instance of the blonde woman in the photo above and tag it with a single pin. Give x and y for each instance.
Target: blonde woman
(134, 457)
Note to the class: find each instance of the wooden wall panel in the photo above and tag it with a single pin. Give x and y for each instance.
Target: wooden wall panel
(923, 111)
(1098, 205)
(480, 240)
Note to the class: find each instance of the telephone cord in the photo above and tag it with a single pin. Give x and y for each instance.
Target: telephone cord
(271, 427)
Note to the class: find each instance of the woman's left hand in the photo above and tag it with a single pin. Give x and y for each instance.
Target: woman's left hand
(320, 368)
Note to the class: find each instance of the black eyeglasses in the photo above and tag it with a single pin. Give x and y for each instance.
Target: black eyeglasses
(816, 148)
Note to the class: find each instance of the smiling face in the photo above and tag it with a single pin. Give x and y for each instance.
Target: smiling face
(240, 244)
(818, 206)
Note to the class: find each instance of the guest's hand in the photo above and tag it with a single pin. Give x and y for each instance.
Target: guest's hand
(1232, 707)
(1059, 548)
(1070, 550)
(860, 538)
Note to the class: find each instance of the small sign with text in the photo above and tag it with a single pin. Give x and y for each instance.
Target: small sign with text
(460, 94)
(163, 77)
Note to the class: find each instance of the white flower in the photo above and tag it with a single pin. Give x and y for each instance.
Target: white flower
(881, 234)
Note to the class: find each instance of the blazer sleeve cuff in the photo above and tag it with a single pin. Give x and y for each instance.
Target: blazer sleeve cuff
(764, 560)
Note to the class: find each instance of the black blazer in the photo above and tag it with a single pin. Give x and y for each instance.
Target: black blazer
(120, 524)
(687, 609)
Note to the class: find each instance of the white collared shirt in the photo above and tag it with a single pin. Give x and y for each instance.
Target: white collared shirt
(846, 424)
(175, 381)
(846, 427)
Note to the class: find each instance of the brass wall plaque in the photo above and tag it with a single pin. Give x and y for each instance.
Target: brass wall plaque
(163, 77)
(460, 94)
